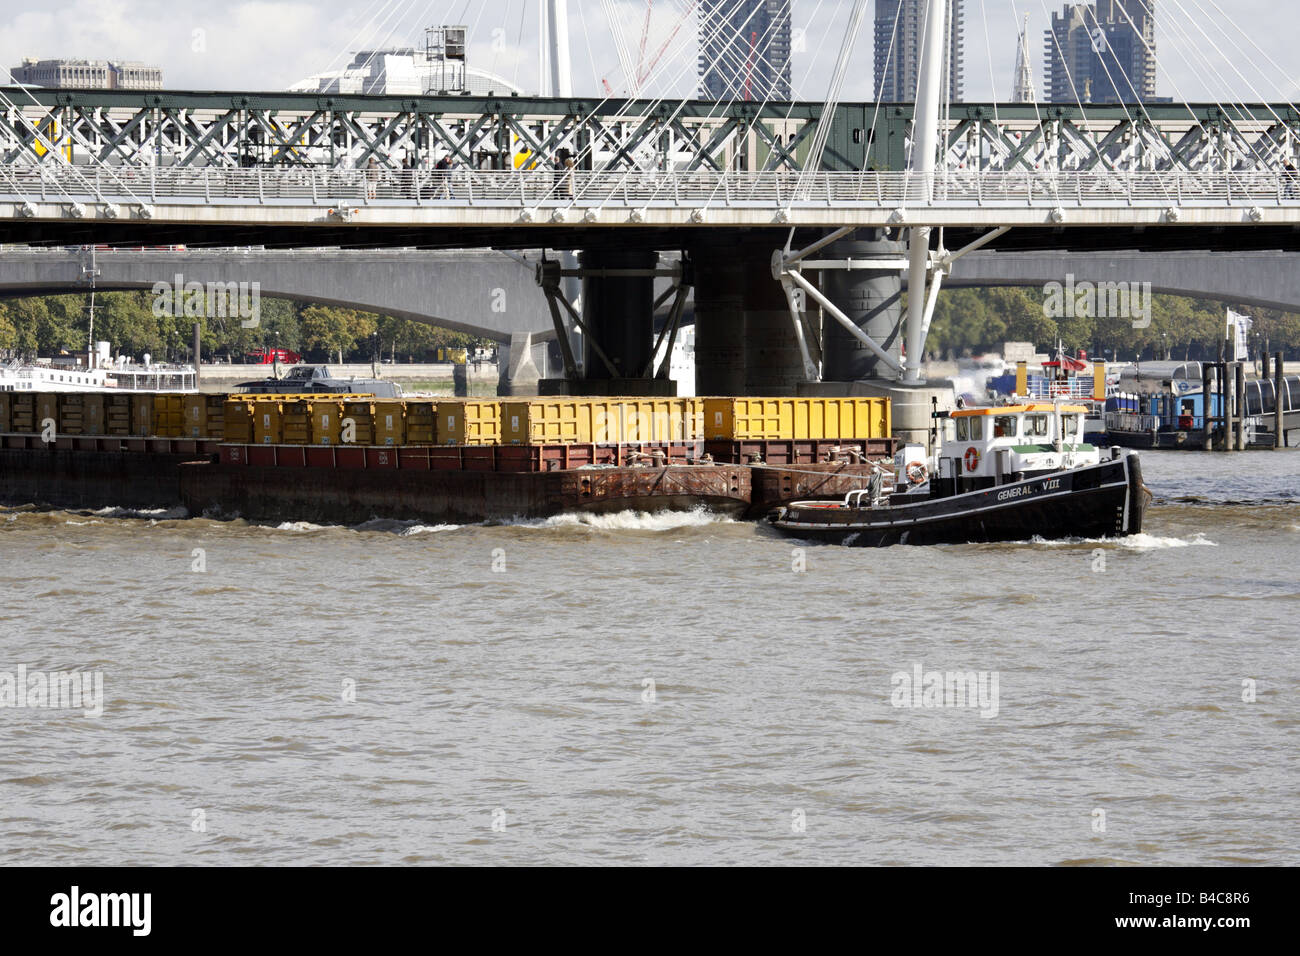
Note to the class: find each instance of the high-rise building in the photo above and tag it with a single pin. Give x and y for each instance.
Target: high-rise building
(899, 27)
(87, 74)
(1102, 52)
(745, 50)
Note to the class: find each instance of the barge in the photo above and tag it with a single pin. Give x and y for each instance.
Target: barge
(352, 458)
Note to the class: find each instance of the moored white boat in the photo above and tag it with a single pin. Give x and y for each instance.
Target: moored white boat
(103, 375)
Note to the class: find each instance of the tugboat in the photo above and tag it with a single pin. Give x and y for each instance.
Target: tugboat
(1009, 473)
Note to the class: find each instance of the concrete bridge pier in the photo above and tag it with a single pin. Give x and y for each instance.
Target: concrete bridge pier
(618, 311)
(522, 364)
(872, 299)
(719, 318)
(773, 360)
(618, 296)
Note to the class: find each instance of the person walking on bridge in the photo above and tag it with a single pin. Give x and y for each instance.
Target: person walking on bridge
(442, 176)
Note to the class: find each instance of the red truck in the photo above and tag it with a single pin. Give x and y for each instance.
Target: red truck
(271, 356)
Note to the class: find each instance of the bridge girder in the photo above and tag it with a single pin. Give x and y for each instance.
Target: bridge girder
(152, 128)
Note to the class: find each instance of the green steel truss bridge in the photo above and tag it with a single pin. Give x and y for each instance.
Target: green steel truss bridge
(308, 159)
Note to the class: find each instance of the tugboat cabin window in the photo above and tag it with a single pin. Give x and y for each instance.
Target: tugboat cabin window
(1071, 423)
(1035, 426)
(963, 429)
(977, 429)
(1004, 426)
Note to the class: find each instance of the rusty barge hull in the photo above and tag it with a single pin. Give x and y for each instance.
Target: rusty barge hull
(166, 476)
(351, 496)
(342, 496)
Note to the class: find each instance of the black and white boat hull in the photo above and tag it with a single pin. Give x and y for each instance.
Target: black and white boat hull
(1096, 501)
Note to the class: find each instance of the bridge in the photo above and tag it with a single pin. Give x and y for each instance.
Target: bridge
(496, 295)
(1266, 280)
(75, 161)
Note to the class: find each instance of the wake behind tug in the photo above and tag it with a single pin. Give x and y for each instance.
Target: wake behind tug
(1009, 473)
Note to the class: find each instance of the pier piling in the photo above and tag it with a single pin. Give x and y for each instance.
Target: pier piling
(1207, 419)
(1279, 435)
(1239, 409)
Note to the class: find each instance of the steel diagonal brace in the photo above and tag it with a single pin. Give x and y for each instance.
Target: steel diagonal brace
(777, 153)
(834, 311)
(548, 277)
(374, 144)
(214, 131)
(114, 144)
(810, 368)
(693, 138)
(715, 144)
(682, 288)
(290, 137)
(462, 147)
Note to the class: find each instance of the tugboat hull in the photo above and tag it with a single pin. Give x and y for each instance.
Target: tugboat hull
(1097, 501)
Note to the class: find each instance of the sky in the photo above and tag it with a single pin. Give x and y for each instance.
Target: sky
(1204, 54)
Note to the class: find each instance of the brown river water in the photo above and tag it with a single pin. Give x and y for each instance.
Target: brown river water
(657, 689)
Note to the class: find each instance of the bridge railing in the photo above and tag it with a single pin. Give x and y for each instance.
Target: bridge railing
(692, 189)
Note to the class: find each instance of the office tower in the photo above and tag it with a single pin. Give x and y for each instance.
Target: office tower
(745, 50)
(1102, 52)
(899, 26)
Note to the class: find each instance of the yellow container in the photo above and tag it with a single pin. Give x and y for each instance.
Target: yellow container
(268, 423)
(204, 415)
(326, 422)
(22, 414)
(358, 423)
(169, 416)
(564, 420)
(784, 419)
(295, 422)
(547, 421)
(117, 415)
(142, 414)
(469, 422)
(635, 420)
(389, 423)
(46, 410)
(421, 422)
(81, 413)
(237, 421)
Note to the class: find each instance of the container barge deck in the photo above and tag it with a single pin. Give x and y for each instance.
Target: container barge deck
(287, 458)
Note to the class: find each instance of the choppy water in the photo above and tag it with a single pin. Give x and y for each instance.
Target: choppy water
(522, 695)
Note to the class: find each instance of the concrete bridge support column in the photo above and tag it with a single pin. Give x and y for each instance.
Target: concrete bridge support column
(522, 364)
(872, 299)
(719, 319)
(618, 311)
(773, 360)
